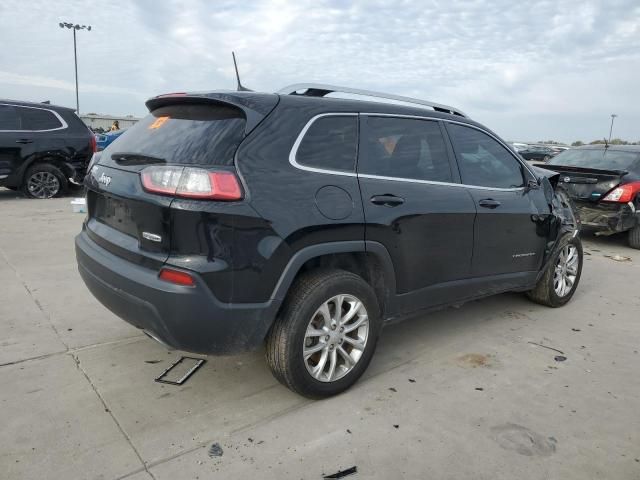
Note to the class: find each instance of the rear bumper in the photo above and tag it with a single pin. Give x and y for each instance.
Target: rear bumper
(185, 318)
(608, 218)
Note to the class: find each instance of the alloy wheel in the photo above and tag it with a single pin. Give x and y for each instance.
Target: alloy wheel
(566, 270)
(43, 185)
(336, 338)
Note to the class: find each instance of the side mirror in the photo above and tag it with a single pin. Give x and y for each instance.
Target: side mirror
(532, 185)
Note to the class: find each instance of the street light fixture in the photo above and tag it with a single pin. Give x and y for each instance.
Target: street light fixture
(613, 117)
(75, 27)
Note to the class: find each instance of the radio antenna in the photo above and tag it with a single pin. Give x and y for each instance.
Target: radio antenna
(240, 88)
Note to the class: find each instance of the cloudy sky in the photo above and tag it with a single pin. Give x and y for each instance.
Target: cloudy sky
(529, 70)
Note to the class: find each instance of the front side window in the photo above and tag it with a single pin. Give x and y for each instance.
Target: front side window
(483, 161)
(330, 144)
(9, 119)
(403, 148)
(38, 119)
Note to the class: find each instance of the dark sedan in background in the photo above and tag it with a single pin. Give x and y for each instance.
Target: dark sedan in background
(604, 183)
(538, 153)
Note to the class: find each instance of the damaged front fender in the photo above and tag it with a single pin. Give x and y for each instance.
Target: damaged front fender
(562, 222)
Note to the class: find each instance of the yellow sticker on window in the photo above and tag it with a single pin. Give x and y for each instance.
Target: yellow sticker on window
(159, 122)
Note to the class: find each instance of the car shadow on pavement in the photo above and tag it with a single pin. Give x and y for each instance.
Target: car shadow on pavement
(615, 240)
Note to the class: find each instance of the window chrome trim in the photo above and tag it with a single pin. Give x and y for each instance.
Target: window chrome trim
(435, 182)
(299, 138)
(56, 114)
(296, 145)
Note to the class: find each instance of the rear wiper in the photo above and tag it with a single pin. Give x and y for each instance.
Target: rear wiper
(131, 159)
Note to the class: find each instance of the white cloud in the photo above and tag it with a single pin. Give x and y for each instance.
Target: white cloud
(528, 70)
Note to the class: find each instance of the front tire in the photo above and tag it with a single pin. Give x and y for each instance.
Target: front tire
(44, 180)
(559, 282)
(325, 335)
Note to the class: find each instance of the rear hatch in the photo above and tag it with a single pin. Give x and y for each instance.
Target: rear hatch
(589, 174)
(182, 133)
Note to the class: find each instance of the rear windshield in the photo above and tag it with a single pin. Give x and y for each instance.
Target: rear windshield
(184, 134)
(600, 158)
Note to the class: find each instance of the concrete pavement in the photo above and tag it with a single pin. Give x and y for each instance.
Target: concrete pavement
(456, 394)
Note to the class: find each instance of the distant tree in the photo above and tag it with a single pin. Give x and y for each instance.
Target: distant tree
(577, 143)
(617, 141)
(597, 142)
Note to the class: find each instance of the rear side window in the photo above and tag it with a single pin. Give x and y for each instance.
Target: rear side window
(184, 134)
(330, 144)
(483, 161)
(403, 148)
(38, 119)
(9, 119)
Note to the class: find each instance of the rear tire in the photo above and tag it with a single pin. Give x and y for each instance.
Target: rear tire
(325, 335)
(634, 237)
(44, 180)
(559, 282)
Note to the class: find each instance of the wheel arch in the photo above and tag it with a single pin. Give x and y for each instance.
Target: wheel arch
(367, 259)
(55, 159)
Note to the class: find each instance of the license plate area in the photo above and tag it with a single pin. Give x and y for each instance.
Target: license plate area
(116, 213)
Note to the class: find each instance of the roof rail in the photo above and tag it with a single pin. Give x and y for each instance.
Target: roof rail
(320, 90)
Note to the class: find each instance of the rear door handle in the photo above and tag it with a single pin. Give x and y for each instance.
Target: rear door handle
(387, 200)
(24, 140)
(489, 203)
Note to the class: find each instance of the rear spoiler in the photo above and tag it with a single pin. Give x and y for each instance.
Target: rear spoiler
(254, 106)
(592, 171)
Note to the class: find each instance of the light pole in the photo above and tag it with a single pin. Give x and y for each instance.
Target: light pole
(613, 117)
(75, 27)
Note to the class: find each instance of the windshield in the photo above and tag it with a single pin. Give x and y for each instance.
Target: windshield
(184, 134)
(597, 158)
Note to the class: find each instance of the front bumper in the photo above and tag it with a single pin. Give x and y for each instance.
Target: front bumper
(608, 217)
(184, 318)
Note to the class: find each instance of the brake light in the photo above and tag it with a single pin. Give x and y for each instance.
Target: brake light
(177, 277)
(189, 182)
(94, 143)
(624, 193)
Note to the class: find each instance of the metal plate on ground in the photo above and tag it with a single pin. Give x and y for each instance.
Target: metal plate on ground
(179, 371)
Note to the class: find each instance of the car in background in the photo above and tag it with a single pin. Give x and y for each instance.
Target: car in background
(519, 146)
(43, 148)
(538, 153)
(105, 139)
(604, 183)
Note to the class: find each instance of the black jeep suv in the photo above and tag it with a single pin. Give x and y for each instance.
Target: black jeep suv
(43, 148)
(224, 221)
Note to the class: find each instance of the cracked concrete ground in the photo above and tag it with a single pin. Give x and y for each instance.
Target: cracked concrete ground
(456, 394)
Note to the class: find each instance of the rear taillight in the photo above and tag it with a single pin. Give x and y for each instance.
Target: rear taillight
(177, 277)
(94, 143)
(192, 182)
(624, 193)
